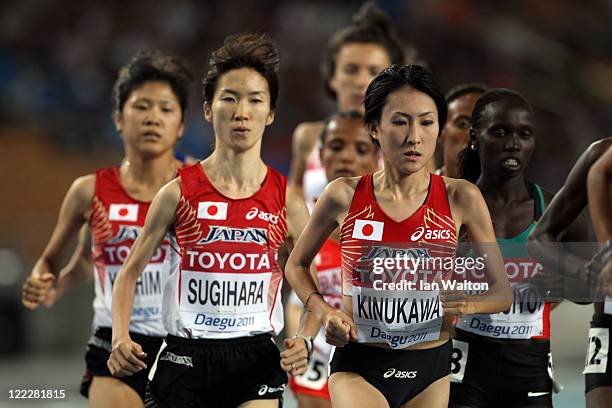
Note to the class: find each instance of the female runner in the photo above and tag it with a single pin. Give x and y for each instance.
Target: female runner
(150, 98)
(393, 334)
(347, 150)
(229, 214)
(354, 55)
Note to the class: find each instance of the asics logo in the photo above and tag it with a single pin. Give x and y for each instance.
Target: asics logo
(256, 212)
(269, 390)
(429, 234)
(392, 372)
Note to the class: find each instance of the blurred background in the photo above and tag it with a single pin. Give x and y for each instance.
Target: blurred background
(58, 60)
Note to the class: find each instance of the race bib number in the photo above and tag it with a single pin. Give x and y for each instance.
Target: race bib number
(400, 318)
(147, 295)
(315, 376)
(523, 320)
(597, 354)
(459, 360)
(224, 302)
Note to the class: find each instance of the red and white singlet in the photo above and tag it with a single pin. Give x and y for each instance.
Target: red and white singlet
(116, 220)
(389, 267)
(229, 282)
(315, 180)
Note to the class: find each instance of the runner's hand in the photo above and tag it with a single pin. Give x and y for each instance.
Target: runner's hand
(339, 328)
(454, 302)
(294, 360)
(126, 358)
(36, 288)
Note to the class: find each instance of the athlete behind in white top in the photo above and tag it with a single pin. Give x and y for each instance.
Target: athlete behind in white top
(347, 150)
(222, 306)
(404, 111)
(353, 56)
(150, 98)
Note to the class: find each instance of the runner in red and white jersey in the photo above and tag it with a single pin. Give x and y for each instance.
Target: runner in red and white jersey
(150, 98)
(393, 342)
(353, 56)
(229, 282)
(347, 149)
(115, 221)
(230, 213)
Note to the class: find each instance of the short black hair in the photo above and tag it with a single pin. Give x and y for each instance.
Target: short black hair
(396, 77)
(458, 91)
(245, 50)
(152, 65)
(354, 115)
(371, 25)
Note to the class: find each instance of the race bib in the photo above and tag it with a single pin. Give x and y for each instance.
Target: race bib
(458, 360)
(523, 320)
(315, 376)
(147, 295)
(400, 318)
(597, 354)
(224, 302)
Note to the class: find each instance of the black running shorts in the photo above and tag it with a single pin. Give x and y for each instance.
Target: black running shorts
(215, 373)
(98, 352)
(490, 374)
(399, 375)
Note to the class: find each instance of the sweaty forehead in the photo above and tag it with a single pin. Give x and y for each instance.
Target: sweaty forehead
(347, 128)
(243, 81)
(507, 111)
(410, 102)
(154, 90)
(363, 54)
(463, 105)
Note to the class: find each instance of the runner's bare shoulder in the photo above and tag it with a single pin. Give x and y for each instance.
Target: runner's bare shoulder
(306, 135)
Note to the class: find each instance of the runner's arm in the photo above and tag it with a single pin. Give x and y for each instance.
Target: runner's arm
(477, 220)
(565, 207)
(73, 213)
(599, 183)
(304, 140)
(78, 271)
(160, 217)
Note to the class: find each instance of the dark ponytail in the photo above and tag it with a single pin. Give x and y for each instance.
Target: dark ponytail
(469, 158)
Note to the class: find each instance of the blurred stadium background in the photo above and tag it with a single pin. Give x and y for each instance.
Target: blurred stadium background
(58, 60)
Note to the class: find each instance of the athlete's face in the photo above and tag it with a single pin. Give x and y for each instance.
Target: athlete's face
(408, 129)
(348, 150)
(240, 109)
(506, 138)
(454, 136)
(356, 65)
(151, 121)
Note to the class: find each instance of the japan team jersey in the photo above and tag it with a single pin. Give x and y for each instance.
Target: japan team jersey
(229, 282)
(529, 315)
(396, 302)
(116, 220)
